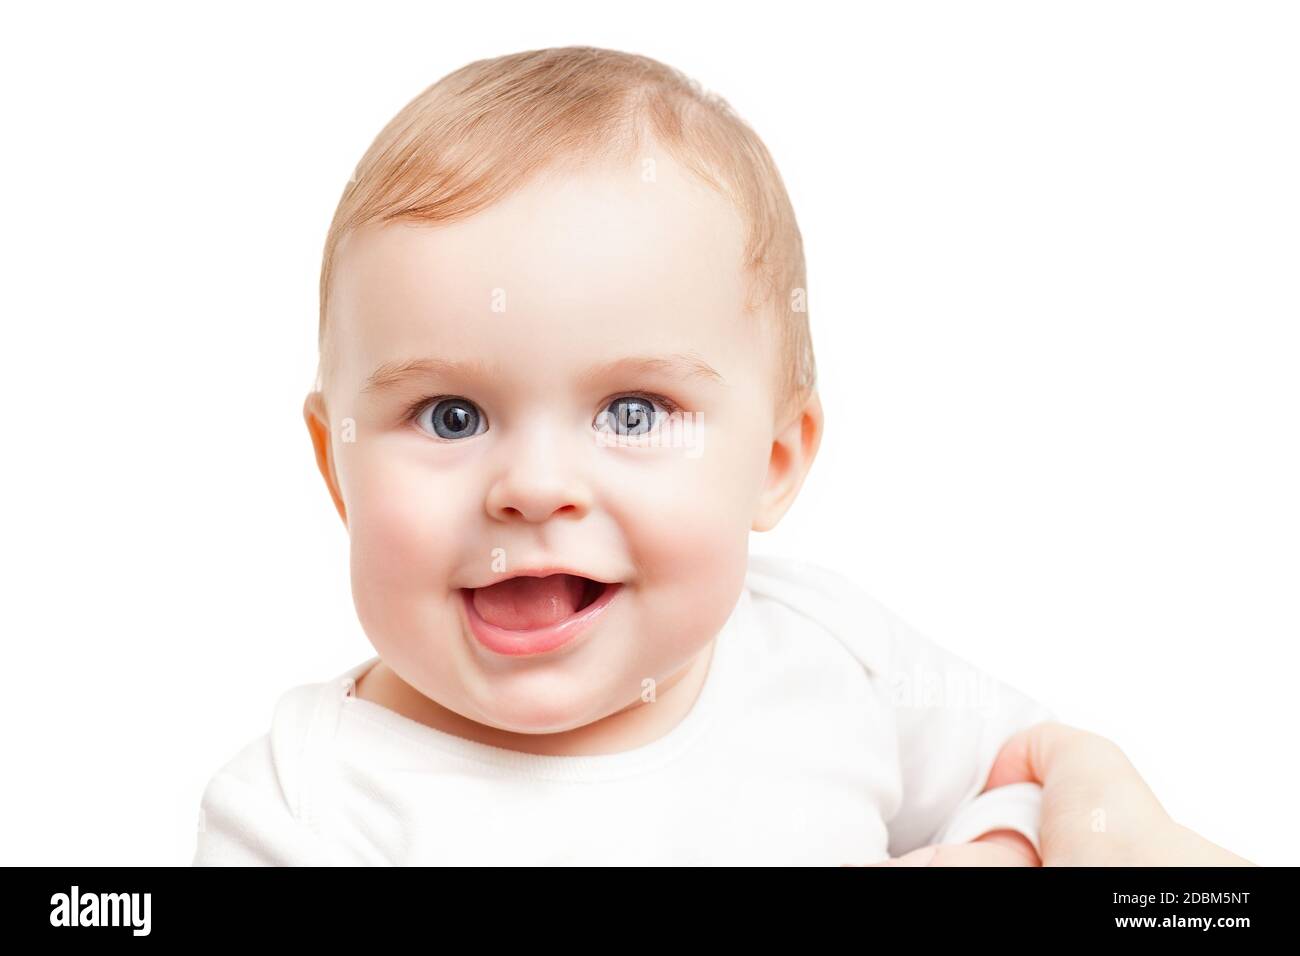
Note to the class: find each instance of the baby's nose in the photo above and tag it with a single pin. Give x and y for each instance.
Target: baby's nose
(540, 477)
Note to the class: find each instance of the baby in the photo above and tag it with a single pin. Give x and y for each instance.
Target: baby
(565, 371)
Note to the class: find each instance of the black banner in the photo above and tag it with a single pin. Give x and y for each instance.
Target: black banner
(1162, 905)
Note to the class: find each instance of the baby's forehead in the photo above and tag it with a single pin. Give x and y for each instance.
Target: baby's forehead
(648, 221)
(643, 250)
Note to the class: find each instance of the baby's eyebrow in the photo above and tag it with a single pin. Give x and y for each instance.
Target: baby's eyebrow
(680, 365)
(391, 375)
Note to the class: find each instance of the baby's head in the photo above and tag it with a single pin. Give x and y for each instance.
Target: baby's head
(562, 326)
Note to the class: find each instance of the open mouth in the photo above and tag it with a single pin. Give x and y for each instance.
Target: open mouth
(524, 603)
(527, 615)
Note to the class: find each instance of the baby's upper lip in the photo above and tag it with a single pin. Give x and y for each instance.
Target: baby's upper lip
(542, 572)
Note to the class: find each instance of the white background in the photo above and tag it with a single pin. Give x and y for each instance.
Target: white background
(1053, 283)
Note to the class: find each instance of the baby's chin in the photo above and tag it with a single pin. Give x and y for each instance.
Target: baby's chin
(553, 713)
(559, 695)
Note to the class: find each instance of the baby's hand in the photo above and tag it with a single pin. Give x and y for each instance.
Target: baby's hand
(998, 848)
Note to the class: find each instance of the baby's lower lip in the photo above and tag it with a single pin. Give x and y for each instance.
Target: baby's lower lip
(541, 640)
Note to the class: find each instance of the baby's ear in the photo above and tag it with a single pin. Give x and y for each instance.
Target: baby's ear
(318, 425)
(793, 449)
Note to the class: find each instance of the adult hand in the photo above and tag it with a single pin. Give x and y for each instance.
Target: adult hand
(1097, 809)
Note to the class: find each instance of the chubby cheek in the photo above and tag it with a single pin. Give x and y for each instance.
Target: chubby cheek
(686, 525)
(403, 522)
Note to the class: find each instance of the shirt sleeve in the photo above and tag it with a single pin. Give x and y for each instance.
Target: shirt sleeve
(952, 720)
(245, 820)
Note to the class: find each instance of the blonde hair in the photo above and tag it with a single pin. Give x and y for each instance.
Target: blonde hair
(482, 131)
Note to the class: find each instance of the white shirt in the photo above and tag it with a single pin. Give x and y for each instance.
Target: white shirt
(827, 731)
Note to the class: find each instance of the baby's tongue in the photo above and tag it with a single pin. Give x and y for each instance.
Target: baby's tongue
(524, 604)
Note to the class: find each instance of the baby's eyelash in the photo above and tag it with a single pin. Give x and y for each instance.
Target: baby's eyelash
(669, 405)
(412, 411)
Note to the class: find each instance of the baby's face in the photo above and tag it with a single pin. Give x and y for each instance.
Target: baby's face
(502, 420)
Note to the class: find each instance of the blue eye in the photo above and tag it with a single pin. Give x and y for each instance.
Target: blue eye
(629, 415)
(451, 418)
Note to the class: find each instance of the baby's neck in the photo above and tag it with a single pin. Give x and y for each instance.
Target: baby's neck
(636, 725)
